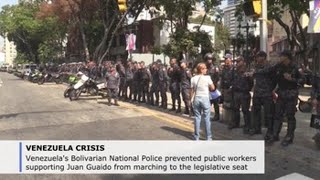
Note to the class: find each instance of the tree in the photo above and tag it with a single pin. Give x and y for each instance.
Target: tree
(222, 39)
(296, 34)
(182, 41)
(21, 25)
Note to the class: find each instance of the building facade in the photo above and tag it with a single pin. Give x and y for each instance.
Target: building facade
(10, 52)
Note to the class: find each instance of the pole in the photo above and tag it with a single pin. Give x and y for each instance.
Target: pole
(263, 27)
(247, 41)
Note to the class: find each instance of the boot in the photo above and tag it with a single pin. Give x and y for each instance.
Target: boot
(272, 139)
(173, 106)
(179, 108)
(216, 117)
(288, 139)
(186, 111)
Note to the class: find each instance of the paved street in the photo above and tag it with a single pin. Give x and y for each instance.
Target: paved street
(32, 112)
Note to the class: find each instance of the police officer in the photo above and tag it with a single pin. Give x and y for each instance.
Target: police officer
(186, 76)
(265, 83)
(241, 86)
(145, 77)
(163, 84)
(174, 74)
(113, 82)
(288, 79)
(154, 90)
(225, 82)
(213, 72)
(136, 80)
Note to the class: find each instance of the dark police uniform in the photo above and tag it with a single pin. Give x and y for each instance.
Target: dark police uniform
(287, 100)
(213, 72)
(145, 77)
(136, 82)
(163, 86)
(154, 90)
(174, 75)
(265, 83)
(186, 88)
(241, 86)
(227, 75)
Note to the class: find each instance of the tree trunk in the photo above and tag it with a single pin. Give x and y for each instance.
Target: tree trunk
(84, 41)
(204, 17)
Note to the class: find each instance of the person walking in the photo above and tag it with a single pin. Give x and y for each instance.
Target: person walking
(200, 86)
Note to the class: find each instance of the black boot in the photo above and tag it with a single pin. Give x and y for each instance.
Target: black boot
(186, 111)
(179, 108)
(272, 139)
(288, 139)
(216, 117)
(173, 106)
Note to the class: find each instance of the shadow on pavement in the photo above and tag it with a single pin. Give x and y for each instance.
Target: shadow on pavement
(178, 132)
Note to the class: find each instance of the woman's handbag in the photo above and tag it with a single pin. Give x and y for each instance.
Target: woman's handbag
(215, 94)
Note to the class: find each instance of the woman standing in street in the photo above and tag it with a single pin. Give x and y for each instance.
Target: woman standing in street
(201, 86)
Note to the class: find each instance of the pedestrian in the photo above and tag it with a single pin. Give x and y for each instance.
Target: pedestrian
(113, 83)
(200, 86)
(288, 80)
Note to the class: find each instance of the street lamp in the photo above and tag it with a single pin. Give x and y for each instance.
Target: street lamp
(247, 27)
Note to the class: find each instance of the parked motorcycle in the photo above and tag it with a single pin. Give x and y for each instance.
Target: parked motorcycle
(34, 76)
(72, 80)
(48, 77)
(87, 85)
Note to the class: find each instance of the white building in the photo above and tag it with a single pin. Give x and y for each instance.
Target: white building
(1, 57)
(10, 51)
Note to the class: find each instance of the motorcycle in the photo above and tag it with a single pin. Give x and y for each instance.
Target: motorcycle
(72, 80)
(47, 77)
(87, 85)
(34, 76)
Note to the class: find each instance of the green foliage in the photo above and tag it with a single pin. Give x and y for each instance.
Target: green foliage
(20, 24)
(222, 39)
(184, 41)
